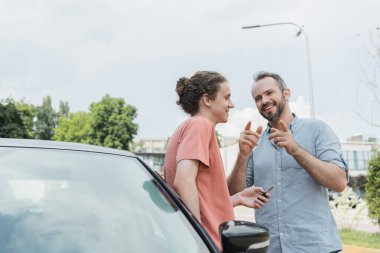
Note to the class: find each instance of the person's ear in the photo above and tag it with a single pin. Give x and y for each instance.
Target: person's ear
(286, 93)
(206, 99)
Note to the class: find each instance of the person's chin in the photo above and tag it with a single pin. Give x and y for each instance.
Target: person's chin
(266, 115)
(269, 116)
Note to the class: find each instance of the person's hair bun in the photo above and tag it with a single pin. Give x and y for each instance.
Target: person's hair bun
(180, 88)
(181, 84)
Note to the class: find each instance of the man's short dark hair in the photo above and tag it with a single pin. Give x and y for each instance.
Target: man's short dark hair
(263, 74)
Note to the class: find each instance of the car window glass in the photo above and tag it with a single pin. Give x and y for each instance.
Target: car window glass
(66, 201)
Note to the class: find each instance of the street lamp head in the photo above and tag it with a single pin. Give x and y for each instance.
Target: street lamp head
(253, 26)
(299, 33)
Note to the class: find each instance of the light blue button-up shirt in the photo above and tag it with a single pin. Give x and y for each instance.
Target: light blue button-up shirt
(298, 214)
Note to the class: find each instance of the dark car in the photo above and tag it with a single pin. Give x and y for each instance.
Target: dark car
(74, 198)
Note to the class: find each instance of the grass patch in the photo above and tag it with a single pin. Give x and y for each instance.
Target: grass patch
(358, 238)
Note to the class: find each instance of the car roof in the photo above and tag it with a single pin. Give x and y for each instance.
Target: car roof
(47, 144)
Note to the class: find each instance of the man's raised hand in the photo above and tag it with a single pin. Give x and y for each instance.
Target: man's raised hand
(249, 139)
(282, 137)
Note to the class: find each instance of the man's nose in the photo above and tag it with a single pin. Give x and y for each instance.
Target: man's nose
(264, 99)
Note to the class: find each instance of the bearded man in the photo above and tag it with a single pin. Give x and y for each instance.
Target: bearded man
(302, 159)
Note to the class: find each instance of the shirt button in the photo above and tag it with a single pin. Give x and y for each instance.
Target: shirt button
(281, 233)
(279, 218)
(279, 183)
(279, 200)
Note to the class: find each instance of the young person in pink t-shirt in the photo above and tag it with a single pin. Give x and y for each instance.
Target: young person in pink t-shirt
(193, 165)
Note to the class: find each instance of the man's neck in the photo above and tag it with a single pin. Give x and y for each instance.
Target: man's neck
(287, 117)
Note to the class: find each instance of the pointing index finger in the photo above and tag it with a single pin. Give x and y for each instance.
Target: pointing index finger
(248, 126)
(284, 127)
(259, 129)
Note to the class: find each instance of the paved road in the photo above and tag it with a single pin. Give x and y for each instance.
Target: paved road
(356, 249)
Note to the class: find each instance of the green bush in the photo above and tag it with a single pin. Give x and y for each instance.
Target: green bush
(373, 189)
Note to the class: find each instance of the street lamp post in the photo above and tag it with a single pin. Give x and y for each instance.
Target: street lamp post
(301, 30)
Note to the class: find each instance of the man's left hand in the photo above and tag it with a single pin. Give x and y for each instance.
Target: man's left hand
(283, 138)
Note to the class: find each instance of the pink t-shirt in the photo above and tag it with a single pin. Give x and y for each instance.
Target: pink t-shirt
(195, 139)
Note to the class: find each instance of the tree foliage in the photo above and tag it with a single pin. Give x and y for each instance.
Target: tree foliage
(109, 122)
(373, 189)
(74, 128)
(27, 113)
(46, 119)
(64, 109)
(112, 123)
(11, 123)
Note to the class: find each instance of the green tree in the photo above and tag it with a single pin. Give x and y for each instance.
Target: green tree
(112, 123)
(46, 119)
(74, 128)
(11, 123)
(27, 113)
(373, 188)
(64, 109)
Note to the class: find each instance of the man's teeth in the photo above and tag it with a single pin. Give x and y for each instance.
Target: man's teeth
(268, 107)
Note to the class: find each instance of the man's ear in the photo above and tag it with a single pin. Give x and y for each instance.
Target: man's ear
(286, 93)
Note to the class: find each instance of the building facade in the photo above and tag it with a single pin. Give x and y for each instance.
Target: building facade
(152, 151)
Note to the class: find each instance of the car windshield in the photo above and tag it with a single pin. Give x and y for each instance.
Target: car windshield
(75, 201)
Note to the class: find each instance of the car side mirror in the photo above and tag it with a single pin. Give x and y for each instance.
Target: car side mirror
(243, 236)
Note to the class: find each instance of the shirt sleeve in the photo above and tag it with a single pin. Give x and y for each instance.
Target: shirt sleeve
(328, 147)
(195, 141)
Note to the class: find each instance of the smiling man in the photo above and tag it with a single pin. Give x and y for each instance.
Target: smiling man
(302, 159)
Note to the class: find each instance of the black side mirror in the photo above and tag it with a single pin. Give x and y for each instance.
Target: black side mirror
(243, 236)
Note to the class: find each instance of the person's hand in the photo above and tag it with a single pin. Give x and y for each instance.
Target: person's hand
(248, 139)
(251, 197)
(283, 138)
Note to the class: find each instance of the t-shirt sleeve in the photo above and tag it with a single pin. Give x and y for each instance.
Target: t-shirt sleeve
(195, 141)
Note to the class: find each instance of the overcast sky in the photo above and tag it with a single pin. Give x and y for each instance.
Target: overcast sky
(80, 50)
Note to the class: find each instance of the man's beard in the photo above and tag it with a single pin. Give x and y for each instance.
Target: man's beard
(276, 115)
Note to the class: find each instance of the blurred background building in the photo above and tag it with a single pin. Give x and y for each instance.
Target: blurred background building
(357, 151)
